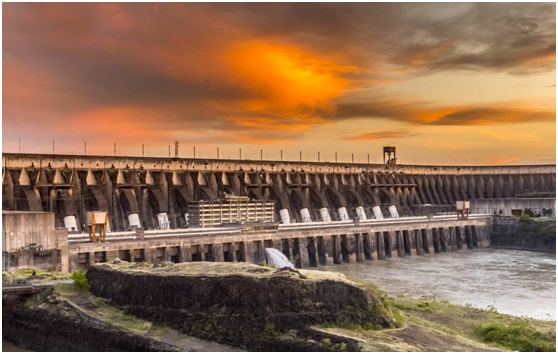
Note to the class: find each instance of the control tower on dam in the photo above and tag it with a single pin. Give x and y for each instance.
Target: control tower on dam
(157, 193)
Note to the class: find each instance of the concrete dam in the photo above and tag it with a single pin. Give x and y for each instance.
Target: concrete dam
(322, 211)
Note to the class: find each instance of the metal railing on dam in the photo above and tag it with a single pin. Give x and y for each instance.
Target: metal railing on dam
(306, 245)
(135, 190)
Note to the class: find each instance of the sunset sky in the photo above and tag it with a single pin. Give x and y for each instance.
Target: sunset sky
(444, 83)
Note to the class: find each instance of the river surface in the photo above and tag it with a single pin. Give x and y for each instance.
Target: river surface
(518, 283)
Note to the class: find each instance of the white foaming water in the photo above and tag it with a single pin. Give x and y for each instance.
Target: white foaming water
(278, 259)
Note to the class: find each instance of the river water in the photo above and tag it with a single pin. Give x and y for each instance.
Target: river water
(518, 283)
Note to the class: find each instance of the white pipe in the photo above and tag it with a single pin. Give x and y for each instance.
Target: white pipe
(393, 211)
(360, 212)
(305, 215)
(134, 220)
(325, 215)
(163, 220)
(70, 223)
(285, 217)
(377, 212)
(343, 213)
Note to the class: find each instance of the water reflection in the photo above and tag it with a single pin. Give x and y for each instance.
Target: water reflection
(516, 282)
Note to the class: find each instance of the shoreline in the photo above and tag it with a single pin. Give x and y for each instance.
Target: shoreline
(421, 324)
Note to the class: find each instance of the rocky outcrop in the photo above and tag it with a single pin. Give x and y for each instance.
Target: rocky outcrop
(40, 329)
(240, 304)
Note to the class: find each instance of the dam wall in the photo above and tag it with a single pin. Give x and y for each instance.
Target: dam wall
(137, 191)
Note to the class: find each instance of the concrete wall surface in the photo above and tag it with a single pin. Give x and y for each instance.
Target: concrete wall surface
(493, 206)
(20, 229)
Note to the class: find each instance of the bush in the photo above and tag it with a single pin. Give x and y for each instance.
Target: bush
(519, 336)
(80, 280)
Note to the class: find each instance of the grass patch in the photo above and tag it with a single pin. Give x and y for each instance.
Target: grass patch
(519, 336)
(482, 325)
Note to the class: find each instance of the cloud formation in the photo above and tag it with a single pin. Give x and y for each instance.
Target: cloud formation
(256, 73)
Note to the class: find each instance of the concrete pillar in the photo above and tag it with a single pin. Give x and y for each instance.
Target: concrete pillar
(418, 242)
(285, 217)
(300, 243)
(246, 252)
(185, 253)
(62, 244)
(218, 252)
(428, 246)
(436, 239)
(379, 236)
(453, 239)
(400, 244)
(410, 247)
(343, 214)
(444, 240)
(336, 249)
(359, 249)
(286, 248)
(469, 237)
(322, 250)
(369, 246)
(393, 244)
(459, 239)
(312, 251)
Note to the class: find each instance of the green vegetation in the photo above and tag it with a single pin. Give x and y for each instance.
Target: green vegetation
(483, 325)
(80, 281)
(519, 336)
(17, 276)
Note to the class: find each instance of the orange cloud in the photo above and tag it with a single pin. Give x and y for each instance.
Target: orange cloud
(382, 135)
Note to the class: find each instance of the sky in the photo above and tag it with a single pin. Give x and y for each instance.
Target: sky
(453, 84)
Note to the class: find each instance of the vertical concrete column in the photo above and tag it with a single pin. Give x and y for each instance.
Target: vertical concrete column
(258, 251)
(359, 248)
(286, 249)
(322, 250)
(246, 252)
(62, 244)
(400, 244)
(429, 246)
(445, 240)
(436, 239)
(393, 244)
(336, 249)
(453, 239)
(91, 259)
(469, 237)
(410, 241)
(185, 253)
(458, 237)
(381, 248)
(303, 252)
(312, 251)
(369, 246)
(218, 252)
(418, 242)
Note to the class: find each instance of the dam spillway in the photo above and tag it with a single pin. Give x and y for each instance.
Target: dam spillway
(325, 213)
(136, 191)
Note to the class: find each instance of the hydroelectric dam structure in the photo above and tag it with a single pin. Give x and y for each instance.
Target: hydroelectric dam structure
(324, 211)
